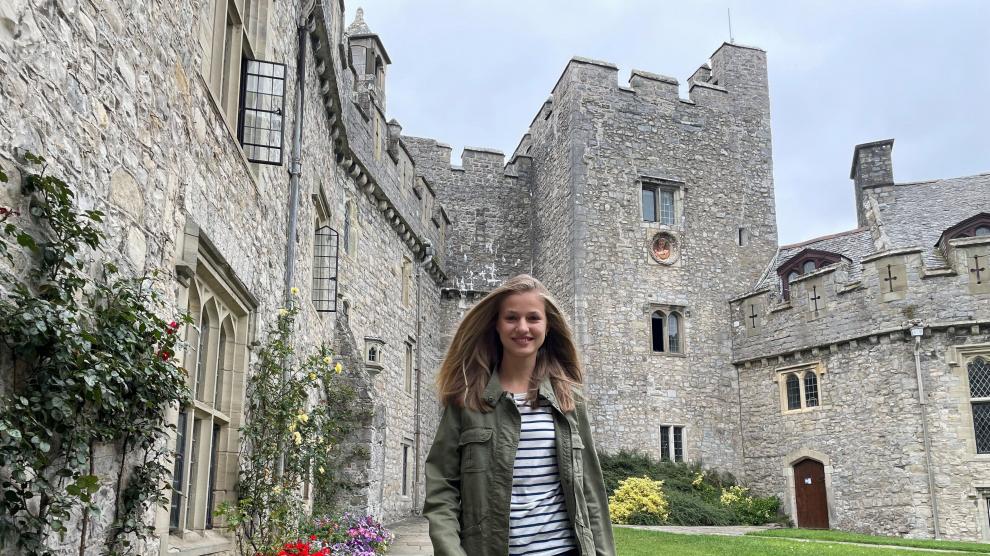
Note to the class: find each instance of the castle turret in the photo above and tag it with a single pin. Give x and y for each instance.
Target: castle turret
(871, 166)
(368, 58)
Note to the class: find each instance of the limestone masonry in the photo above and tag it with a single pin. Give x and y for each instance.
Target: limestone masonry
(848, 374)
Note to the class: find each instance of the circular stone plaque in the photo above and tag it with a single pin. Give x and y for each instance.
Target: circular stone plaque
(663, 248)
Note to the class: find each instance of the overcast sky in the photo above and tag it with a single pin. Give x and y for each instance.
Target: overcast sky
(475, 72)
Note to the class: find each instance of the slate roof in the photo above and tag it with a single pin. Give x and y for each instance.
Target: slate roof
(910, 215)
(917, 213)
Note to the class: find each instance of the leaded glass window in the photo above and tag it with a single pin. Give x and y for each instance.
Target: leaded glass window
(678, 443)
(325, 254)
(664, 443)
(212, 485)
(982, 231)
(979, 391)
(673, 333)
(793, 392)
(262, 96)
(810, 389)
(178, 471)
(809, 266)
(666, 207)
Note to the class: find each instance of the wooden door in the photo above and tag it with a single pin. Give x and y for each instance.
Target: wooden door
(810, 494)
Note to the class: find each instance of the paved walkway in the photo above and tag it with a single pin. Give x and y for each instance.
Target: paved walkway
(412, 538)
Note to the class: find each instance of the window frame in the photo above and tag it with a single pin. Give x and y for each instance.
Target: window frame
(983, 401)
(408, 367)
(658, 187)
(665, 312)
(800, 372)
(207, 457)
(673, 436)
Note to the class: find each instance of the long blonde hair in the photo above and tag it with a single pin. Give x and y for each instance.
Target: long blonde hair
(476, 351)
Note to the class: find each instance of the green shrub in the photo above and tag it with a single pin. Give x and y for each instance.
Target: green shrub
(690, 509)
(640, 499)
(696, 496)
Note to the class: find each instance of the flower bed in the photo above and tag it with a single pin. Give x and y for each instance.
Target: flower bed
(344, 535)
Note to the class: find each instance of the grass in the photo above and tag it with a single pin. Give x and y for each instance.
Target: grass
(637, 542)
(840, 536)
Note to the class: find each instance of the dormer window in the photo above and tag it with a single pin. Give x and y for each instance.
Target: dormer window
(805, 262)
(975, 226)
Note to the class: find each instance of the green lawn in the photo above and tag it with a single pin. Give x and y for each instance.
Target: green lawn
(840, 536)
(636, 542)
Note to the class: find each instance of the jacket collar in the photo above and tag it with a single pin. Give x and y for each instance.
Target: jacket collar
(493, 392)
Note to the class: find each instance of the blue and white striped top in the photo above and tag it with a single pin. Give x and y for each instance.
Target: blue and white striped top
(538, 522)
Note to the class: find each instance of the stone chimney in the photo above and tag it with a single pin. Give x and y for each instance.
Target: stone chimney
(871, 167)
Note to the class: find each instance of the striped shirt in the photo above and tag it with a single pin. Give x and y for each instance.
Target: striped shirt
(538, 522)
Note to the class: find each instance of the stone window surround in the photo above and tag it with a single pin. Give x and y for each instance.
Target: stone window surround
(822, 259)
(376, 346)
(792, 459)
(407, 465)
(958, 358)
(205, 282)
(780, 377)
(666, 310)
(656, 184)
(322, 214)
(409, 366)
(983, 508)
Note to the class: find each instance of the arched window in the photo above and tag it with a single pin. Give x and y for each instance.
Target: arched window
(979, 393)
(793, 391)
(673, 333)
(203, 353)
(657, 322)
(810, 389)
(792, 276)
(808, 266)
(373, 354)
(982, 231)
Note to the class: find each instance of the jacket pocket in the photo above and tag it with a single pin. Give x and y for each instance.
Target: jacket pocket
(476, 449)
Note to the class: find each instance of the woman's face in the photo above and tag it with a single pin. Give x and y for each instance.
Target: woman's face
(522, 323)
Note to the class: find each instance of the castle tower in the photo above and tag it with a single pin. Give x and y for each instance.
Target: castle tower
(369, 59)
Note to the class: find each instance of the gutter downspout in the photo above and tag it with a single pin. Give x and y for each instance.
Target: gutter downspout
(295, 170)
(916, 332)
(417, 448)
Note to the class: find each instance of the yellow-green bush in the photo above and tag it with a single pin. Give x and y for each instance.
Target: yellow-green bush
(639, 500)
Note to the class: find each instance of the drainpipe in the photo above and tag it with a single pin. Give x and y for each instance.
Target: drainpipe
(916, 332)
(295, 169)
(427, 256)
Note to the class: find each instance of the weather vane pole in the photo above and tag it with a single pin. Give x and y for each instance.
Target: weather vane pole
(731, 40)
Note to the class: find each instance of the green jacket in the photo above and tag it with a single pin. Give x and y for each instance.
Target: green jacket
(469, 477)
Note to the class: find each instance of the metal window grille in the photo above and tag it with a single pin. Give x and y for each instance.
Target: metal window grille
(793, 392)
(810, 389)
(178, 471)
(664, 443)
(260, 119)
(649, 205)
(673, 333)
(678, 443)
(657, 331)
(979, 378)
(666, 207)
(325, 254)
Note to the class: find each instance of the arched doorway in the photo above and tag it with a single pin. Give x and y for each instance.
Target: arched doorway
(810, 494)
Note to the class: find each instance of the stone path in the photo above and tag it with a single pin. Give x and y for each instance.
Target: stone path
(412, 538)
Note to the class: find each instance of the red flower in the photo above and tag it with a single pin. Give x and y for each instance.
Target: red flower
(312, 537)
(165, 354)
(172, 327)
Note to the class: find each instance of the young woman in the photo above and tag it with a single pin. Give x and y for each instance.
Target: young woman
(513, 469)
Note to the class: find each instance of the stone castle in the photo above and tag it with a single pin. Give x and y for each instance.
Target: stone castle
(849, 374)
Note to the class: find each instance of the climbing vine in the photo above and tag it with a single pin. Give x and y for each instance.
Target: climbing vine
(87, 362)
(299, 411)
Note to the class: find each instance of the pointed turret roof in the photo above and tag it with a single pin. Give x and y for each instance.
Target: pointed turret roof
(358, 29)
(358, 26)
